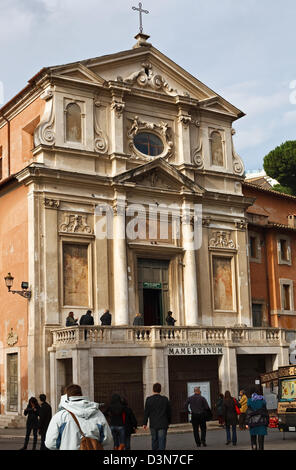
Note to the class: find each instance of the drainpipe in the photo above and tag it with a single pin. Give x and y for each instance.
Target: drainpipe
(8, 144)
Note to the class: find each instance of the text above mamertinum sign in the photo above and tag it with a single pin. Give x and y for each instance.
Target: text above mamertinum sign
(195, 349)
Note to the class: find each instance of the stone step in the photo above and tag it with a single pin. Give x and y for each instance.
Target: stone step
(7, 421)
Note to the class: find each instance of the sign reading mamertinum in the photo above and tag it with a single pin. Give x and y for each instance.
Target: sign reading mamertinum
(195, 349)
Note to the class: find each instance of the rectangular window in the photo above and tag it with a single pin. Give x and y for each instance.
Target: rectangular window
(253, 247)
(257, 314)
(286, 296)
(222, 281)
(284, 249)
(75, 274)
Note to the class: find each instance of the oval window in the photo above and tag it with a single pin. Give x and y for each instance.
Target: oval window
(148, 143)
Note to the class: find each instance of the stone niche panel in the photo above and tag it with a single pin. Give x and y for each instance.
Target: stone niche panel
(71, 222)
(75, 274)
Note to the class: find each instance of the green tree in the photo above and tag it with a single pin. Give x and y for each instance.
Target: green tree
(280, 164)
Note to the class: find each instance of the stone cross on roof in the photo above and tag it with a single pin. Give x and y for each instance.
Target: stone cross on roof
(140, 10)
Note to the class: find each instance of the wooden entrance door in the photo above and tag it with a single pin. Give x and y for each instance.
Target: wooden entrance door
(12, 382)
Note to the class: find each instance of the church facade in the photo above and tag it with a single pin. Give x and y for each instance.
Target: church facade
(121, 189)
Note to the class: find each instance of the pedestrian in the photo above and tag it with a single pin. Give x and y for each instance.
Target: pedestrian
(32, 424)
(243, 399)
(70, 320)
(169, 319)
(230, 417)
(86, 319)
(63, 432)
(106, 318)
(131, 424)
(116, 412)
(45, 415)
(158, 411)
(219, 409)
(199, 408)
(257, 418)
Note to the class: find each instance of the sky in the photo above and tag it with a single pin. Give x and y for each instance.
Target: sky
(242, 49)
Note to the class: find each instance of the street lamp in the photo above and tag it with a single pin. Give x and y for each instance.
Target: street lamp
(25, 292)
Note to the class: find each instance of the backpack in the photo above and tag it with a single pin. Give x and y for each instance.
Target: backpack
(86, 443)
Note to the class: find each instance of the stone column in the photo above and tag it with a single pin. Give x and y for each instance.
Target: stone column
(190, 276)
(120, 263)
(155, 369)
(228, 372)
(82, 366)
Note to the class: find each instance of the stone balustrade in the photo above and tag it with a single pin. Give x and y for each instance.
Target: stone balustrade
(106, 335)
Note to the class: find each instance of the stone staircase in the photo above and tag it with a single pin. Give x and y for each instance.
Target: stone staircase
(12, 421)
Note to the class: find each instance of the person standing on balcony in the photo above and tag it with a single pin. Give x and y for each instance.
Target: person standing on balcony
(170, 319)
(106, 318)
(86, 319)
(139, 321)
(70, 320)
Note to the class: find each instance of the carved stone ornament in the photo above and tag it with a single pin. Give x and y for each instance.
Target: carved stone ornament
(154, 180)
(221, 239)
(101, 141)
(145, 77)
(75, 223)
(162, 130)
(12, 338)
(45, 133)
(241, 225)
(118, 107)
(51, 203)
(198, 157)
(237, 163)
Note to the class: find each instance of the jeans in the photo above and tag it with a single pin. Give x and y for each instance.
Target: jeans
(197, 422)
(158, 438)
(127, 441)
(29, 428)
(118, 433)
(228, 434)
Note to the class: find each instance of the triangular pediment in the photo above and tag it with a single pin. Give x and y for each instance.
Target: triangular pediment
(78, 72)
(159, 175)
(146, 69)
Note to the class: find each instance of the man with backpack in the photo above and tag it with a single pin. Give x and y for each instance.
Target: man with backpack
(78, 425)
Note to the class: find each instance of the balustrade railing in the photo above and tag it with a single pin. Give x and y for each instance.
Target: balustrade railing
(96, 335)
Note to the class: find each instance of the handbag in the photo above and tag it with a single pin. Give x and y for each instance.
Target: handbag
(237, 407)
(86, 443)
(208, 414)
(257, 418)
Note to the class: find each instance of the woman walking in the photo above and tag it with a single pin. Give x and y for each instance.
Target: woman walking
(131, 424)
(257, 418)
(32, 413)
(117, 416)
(230, 418)
(219, 409)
